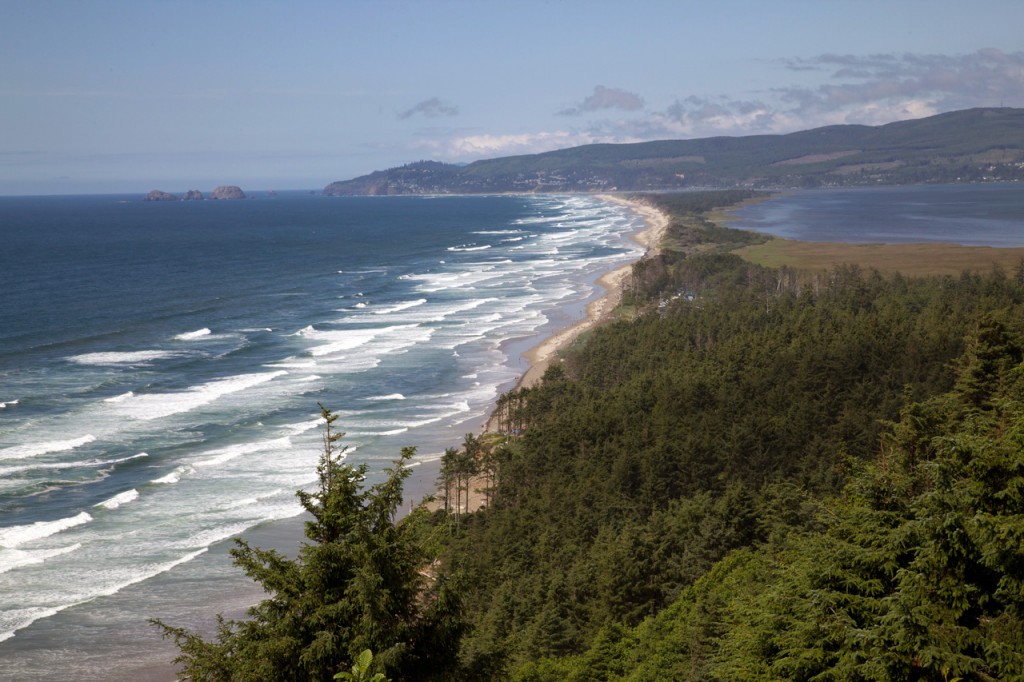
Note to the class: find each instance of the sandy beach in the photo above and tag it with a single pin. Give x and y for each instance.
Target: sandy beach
(541, 355)
(598, 311)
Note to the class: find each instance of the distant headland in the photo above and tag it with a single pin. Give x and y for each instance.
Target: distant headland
(222, 192)
(974, 145)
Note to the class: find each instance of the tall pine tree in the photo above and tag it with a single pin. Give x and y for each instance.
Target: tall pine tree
(359, 583)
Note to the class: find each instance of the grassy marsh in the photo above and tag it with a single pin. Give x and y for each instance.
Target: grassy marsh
(909, 259)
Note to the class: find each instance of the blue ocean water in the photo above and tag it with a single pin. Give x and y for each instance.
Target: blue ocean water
(161, 365)
(972, 215)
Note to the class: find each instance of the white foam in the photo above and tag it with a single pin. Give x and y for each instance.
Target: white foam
(302, 427)
(389, 432)
(399, 307)
(460, 308)
(138, 357)
(191, 336)
(89, 463)
(469, 247)
(16, 558)
(9, 403)
(119, 398)
(36, 449)
(390, 396)
(339, 341)
(210, 536)
(222, 455)
(119, 499)
(294, 364)
(538, 220)
(174, 476)
(15, 619)
(150, 406)
(455, 279)
(249, 501)
(443, 412)
(15, 536)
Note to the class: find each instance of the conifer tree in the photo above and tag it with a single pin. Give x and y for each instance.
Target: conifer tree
(358, 584)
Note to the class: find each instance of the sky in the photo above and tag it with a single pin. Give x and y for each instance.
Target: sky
(102, 96)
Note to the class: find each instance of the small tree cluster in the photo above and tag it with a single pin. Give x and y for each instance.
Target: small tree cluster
(478, 462)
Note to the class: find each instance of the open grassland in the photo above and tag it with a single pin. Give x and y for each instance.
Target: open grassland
(909, 259)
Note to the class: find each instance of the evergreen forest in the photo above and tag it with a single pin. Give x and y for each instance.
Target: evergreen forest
(753, 474)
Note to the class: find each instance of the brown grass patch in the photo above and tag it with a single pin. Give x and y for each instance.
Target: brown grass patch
(909, 259)
(816, 158)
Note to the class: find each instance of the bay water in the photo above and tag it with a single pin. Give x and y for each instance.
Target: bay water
(986, 214)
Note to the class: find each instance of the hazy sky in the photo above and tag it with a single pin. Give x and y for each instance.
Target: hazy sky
(99, 96)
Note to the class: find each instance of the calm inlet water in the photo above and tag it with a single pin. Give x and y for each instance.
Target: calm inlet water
(973, 215)
(161, 364)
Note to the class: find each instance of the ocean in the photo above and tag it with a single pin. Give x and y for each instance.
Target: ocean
(161, 366)
(990, 214)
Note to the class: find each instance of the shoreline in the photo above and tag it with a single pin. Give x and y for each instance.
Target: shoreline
(149, 657)
(422, 484)
(540, 357)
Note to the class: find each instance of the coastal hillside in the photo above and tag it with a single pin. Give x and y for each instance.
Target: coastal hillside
(972, 145)
(766, 474)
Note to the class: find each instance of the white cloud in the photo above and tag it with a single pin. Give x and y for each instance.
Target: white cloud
(869, 90)
(471, 147)
(861, 85)
(430, 108)
(606, 98)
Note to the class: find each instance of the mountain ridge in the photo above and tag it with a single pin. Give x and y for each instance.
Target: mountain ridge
(969, 145)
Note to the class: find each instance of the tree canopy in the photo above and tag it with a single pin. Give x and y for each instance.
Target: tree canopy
(701, 492)
(360, 583)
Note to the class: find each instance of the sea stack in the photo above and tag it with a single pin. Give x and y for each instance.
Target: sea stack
(228, 192)
(160, 195)
(192, 195)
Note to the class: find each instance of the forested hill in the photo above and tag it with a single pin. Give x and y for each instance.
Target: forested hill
(961, 146)
(767, 475)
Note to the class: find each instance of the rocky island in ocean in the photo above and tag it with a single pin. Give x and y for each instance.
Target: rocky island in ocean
(222, 192)
(160, 195)
(228, 192)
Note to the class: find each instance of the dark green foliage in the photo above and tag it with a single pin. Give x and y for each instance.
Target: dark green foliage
(357, 585)
(721, 424)
(914, 572)
(918, 574)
